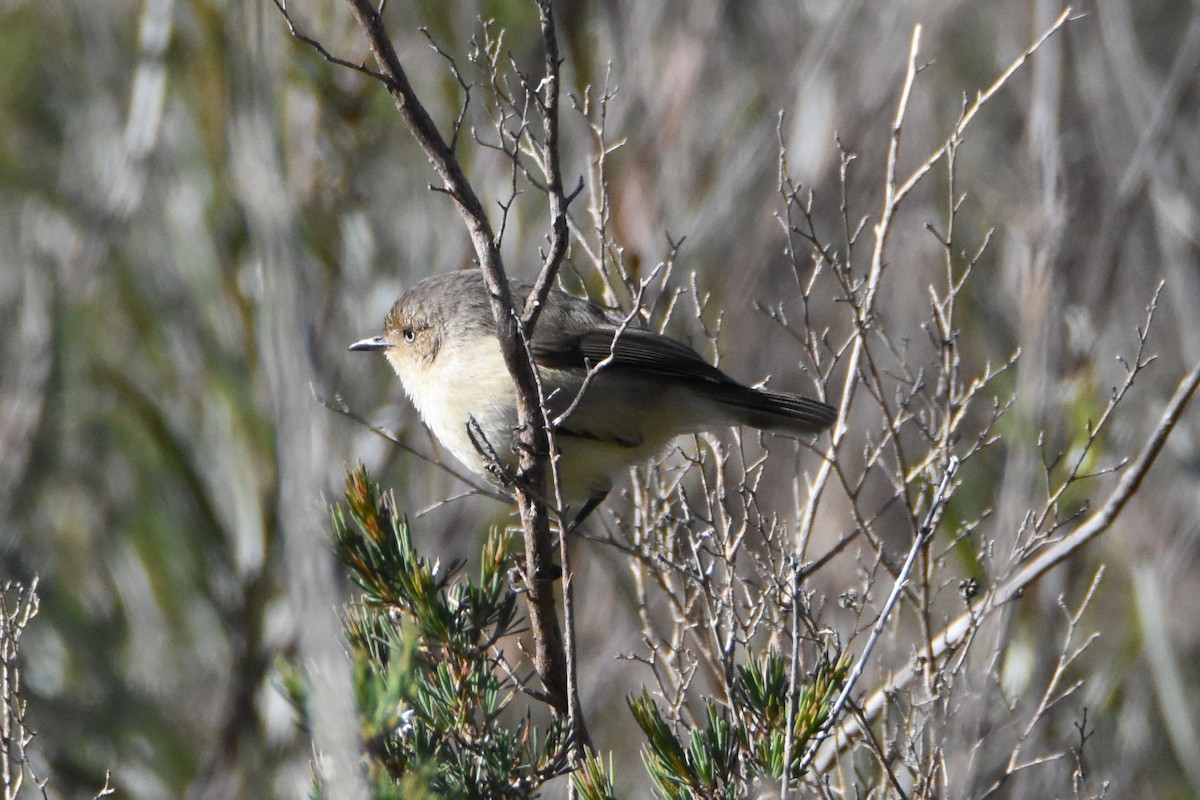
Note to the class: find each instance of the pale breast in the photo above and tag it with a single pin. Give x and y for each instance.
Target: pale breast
(464, 382)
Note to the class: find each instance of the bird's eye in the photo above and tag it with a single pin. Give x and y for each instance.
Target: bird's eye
(409, 335)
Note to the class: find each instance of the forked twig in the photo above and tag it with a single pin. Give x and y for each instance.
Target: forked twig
(940, 496)
(549, 649)
(894, 195)
(956, 633)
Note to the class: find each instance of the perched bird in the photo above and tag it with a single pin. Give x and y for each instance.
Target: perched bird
(440, 337)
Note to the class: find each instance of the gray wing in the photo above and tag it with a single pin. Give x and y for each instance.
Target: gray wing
(632, 348)
(574, 333)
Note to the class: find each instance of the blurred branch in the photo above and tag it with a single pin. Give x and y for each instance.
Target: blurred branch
(23, 392)
(1140, 164)
(1155, 610)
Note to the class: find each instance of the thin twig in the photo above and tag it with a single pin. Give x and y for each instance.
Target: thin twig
(940, 496)
(559, 233)
(339, 406)
(956, 633)
(533, 446)
(358, 66)
(894, 196)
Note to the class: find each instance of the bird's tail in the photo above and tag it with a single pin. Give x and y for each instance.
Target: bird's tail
(774, 411)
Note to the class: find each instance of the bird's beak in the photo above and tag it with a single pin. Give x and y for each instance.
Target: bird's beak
(374, 343)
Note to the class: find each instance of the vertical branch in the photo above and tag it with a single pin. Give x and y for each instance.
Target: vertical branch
(551, 167)
(532, 443)
(940, 497)
(14, 736)
(559, 238)
(789, 731)
(864, 310)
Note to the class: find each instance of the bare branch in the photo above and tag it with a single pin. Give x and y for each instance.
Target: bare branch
(533, 446)
(940, 496)
(953, 636)
(359, 66)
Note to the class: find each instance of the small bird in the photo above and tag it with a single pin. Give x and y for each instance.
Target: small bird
(645, 389)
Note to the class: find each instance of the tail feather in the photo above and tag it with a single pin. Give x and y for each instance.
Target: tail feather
(775, 411)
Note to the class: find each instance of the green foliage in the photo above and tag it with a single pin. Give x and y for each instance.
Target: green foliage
(592, 780)
(741, 747)
(763, 683)
(435, 697)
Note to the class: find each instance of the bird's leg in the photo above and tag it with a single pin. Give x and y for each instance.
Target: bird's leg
(554, 572)
(592, 502)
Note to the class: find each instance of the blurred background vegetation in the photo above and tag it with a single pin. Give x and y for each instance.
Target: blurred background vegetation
(198, 215)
